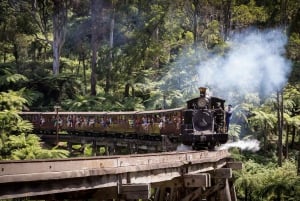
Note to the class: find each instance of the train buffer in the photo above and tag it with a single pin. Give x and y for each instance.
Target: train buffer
(191, 175)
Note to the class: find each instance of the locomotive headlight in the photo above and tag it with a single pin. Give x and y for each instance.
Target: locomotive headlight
(202, 102)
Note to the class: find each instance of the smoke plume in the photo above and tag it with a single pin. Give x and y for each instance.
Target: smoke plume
(255, 62)
(250, 145)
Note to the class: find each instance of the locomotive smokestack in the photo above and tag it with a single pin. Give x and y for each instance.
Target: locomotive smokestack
(202, 91)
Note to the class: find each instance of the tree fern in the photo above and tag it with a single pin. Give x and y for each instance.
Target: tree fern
(7, 77)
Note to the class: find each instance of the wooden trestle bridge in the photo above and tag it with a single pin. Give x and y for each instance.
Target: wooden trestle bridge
(192, 175)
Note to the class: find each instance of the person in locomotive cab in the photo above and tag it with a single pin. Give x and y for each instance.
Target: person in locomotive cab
(228, 116)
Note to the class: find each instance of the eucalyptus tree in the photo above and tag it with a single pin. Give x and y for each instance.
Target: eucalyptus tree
(49, 18)
(96, 7)
(60, 13)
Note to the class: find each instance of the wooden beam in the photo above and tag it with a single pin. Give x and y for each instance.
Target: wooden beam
(222, 173)
(197, 180)
(135, 191)
(210, 191)
(232, 191)
(235, 165)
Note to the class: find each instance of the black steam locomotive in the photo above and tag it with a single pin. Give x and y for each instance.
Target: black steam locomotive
(204, 122)
(200, 124)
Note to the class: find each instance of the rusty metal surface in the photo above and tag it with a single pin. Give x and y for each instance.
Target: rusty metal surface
(38, 177)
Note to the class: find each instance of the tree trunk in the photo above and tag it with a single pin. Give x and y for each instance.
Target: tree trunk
(56, 55)
(265, 137)
(16, 55)
(293, 137)
(111, 46)
(84, 75)
(227, 17)
(298, 168)
(283, 15)
(95, 18)
(279, 122)
(287, 142)
(126, 92)
(59, 31)
(196, 16)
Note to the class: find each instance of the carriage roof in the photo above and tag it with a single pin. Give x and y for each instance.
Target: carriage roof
(103, 113)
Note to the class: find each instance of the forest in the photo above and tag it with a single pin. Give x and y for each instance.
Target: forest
(125, 55)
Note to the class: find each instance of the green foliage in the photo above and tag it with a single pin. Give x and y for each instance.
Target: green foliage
(212, 36)
(12, 100)
(15, 142)
(8, 78)
(293, 46)
(102, 103)
(245, 15)
(234, 131)
(266, 182)
(88, 150)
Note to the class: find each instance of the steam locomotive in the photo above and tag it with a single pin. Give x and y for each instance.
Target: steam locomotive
(201, 124)
(204, 121)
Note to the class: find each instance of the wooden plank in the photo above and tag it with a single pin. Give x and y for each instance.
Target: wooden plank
(197, 180)
(135, 191)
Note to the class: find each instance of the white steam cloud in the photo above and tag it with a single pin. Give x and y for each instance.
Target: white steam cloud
(250, 145)
(255, 62)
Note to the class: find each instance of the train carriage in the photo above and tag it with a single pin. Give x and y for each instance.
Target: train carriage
(200, 124)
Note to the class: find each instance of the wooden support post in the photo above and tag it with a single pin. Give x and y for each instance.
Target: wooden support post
(107, 150)
(94, 148)
(162, 193)
(69, 145)
(156, 194)
(172, 193)
(232, 191)
(225, 192)
(164, 143)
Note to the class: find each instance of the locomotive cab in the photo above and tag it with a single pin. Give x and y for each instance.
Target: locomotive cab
(204, 122)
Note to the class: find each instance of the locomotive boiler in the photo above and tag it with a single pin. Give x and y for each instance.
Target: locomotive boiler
(204, 122)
